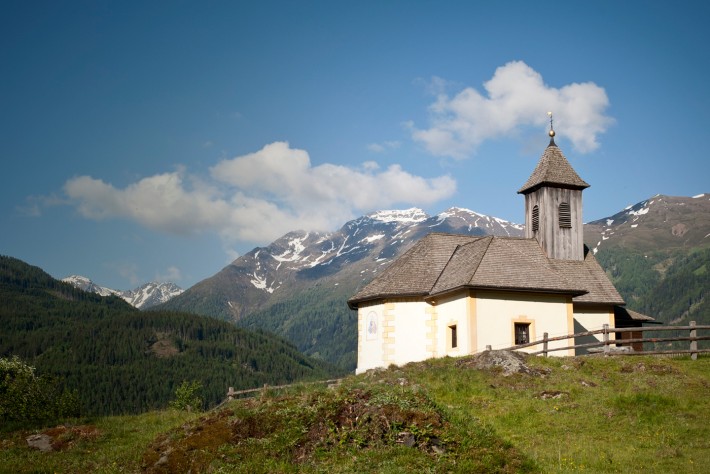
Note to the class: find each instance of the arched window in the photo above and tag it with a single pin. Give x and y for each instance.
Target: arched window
(535, 218)
(565, 216)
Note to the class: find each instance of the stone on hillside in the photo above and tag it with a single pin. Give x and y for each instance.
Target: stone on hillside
(42, 442)
(509, 362)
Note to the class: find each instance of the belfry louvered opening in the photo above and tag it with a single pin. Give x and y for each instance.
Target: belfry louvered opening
(535, 218)
(565, 215)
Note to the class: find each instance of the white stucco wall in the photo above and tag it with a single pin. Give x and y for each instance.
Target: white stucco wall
(497, 313)
(592, 319)
(410, 333)
(400, 336)
(369, 346)
(453, 311)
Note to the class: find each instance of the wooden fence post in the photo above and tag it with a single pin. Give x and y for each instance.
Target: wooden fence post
(607, 349)
(544, 344)
(693, 342)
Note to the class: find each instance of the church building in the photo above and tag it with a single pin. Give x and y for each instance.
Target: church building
(453, 295)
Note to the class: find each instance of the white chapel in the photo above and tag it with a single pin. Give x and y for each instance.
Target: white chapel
(453, 295)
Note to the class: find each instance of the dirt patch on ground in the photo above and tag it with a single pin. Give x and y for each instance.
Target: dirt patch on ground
(164, 346)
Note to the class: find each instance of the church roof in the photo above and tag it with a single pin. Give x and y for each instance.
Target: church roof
(445, 263)
(627, 318)
(589, 274)
(415, 272)
(553, 169)
(502, 263)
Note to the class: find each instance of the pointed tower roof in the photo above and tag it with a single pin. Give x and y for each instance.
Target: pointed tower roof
(553, 169)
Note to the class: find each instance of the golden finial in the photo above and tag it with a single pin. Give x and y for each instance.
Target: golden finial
(552, 130)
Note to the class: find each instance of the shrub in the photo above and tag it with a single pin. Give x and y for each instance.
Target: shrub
(28, 398)
(186, 396)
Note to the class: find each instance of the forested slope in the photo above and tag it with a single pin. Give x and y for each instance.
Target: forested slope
(122, 360)
(672, 286)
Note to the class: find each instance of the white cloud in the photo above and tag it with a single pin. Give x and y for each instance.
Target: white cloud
(384, 146)
(161, 202)
(172, 273)
(516, 96)
(257, 197)
(128, 271)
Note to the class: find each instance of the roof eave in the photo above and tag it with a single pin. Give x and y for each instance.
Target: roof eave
(534, 187)
(354, 302)
(572, 292)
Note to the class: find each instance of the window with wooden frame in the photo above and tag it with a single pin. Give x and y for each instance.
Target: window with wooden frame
(453, 336)
(565, 216)
(522, 333)
(535, 218)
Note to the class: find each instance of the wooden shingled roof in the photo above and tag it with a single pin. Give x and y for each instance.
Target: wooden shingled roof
(503, 263)
(415, 272)
(590, 274)
(444, 263)
(553, 169)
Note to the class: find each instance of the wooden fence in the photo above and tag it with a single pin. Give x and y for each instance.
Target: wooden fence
(625, 342)
(232, 394)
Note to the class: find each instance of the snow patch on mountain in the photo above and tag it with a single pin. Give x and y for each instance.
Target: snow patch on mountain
(411, 215)
(293, 253)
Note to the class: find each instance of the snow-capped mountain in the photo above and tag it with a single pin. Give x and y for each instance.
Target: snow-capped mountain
(86, 284)
(350, 256)
(151, 294)
(145, 296)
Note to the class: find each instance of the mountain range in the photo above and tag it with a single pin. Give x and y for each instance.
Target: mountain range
(349, 257)
(143, 297)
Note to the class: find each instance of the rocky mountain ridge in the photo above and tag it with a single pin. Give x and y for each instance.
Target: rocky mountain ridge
(143, 297)
(658, 222)
(349, 256)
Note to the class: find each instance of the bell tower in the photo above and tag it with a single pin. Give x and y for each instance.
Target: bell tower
(553, 204)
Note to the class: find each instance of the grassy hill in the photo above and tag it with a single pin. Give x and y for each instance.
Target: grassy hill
(592, 414)
(122, 360)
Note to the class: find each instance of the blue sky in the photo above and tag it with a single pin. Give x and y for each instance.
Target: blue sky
(160, 140)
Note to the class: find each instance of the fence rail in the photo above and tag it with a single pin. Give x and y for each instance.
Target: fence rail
(607, 342)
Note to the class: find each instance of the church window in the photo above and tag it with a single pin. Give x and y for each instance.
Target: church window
(522, 333)
(454, 338)
(535, 218)
(565, 215)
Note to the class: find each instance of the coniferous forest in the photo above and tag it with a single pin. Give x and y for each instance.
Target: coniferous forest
(122, 360)
(669, 285)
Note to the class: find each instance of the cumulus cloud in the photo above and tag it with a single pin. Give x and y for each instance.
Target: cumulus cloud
(515, 96)
(162, 202)
(257, 197)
